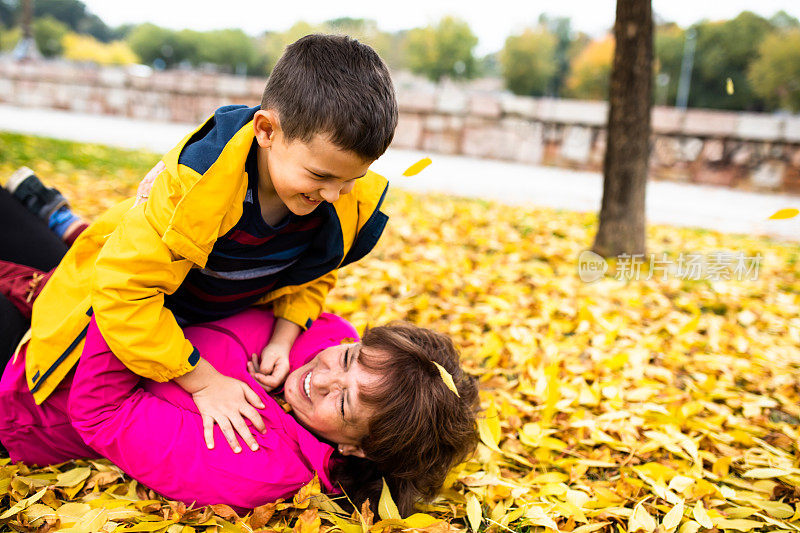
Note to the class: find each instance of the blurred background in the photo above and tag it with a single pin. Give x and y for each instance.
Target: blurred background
(510, 87)
(561, 51)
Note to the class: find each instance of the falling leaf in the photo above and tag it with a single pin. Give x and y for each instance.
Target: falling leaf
(729, 86)
(447, 378)
(474, 513)
(789, 212)
(417, 167)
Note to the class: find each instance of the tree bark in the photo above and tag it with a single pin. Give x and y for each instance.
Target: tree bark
(27, 19)
(622, 214)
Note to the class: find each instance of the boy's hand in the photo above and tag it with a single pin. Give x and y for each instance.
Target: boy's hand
(143, 191)
(225, 401)
(272, 368)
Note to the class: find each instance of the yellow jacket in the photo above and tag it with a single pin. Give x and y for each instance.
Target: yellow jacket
(121, 267)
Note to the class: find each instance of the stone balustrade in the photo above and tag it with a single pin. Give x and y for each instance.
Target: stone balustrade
(743, 150)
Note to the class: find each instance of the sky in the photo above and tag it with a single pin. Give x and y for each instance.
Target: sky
(491, 20)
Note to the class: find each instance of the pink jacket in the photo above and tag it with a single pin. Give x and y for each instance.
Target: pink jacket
(153, 431)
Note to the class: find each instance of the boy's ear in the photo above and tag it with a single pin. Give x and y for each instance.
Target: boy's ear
(266, 125)
(351, 449)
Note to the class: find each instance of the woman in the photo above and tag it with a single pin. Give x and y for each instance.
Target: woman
(359, 412)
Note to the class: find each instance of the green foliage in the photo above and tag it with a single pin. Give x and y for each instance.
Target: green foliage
(232, 49)
(273, 43)
(8, 14)
(49, 35)
(561, 28)
(387, 45)
(444, 50)
(529, 61)
(784, 21)
(725, 50)
(227, 47)
(74, 14)
(9, 38)
(151, 42)
(70, 12)
(775, 75)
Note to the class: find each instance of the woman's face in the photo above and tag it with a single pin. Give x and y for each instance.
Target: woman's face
(324, 395)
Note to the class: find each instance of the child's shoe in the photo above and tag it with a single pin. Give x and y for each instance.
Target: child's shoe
(31, 192)
(46, 203)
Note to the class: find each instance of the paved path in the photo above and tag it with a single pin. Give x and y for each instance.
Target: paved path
(668, 203)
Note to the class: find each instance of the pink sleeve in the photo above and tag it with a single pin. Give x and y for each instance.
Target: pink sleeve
(156, 437)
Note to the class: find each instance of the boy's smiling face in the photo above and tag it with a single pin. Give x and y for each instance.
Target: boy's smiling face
(300, 174)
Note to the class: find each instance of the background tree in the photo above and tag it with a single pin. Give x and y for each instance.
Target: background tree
(84, 47)
(591, 70)
(669, 42)
(9, 38)
(561, 29)
(155, 44)
(784, 21)
(8, 13)
(231, 48)
(367, 31)
(444, 50)
(775, 75)
(622, 223)
(74, 14)
(528, 61)
(272, 44)
(725, 50)
(49, 33)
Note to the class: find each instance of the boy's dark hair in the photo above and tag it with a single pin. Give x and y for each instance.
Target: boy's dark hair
(334, 85)
(420, 428)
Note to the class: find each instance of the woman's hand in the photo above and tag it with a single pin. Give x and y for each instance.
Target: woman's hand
(225, 401)
(272, 368)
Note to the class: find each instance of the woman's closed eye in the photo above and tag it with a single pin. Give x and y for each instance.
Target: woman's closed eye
(345, 360)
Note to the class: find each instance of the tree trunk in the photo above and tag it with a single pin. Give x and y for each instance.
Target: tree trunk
(622, 221)
(27, 19)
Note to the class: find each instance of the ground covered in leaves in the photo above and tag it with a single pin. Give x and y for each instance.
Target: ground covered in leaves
(669, 405)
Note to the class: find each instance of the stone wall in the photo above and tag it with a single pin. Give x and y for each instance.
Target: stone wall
(743, 150)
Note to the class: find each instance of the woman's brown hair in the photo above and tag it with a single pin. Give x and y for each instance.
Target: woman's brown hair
(420, 428)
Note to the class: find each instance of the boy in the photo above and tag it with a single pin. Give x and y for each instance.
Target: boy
(256, 206)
